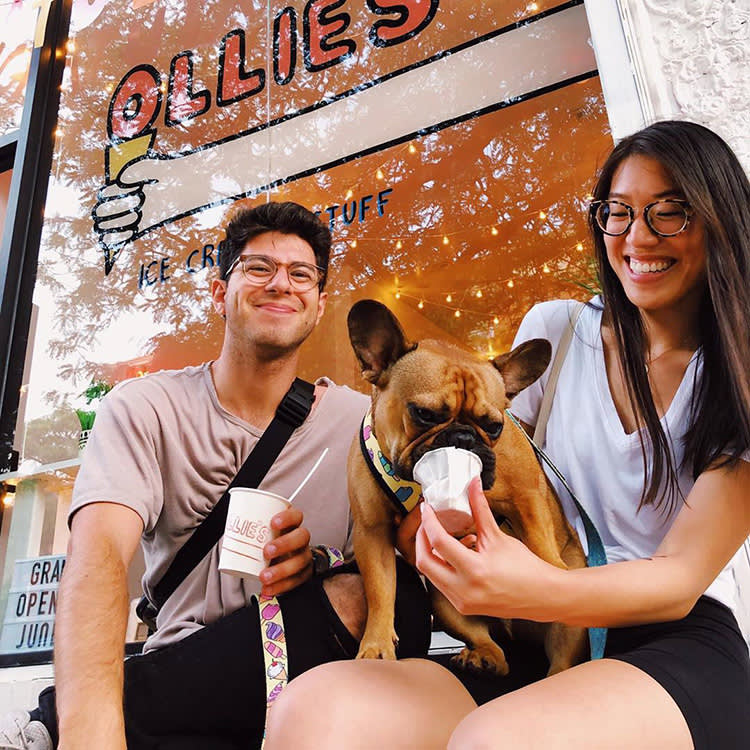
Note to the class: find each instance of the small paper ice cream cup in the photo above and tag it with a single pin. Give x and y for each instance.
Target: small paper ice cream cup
(247, 530)
(445, 475)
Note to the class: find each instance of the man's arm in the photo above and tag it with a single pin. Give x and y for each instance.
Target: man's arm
(90, 626)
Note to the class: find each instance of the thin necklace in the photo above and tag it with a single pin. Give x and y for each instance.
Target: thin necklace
(650, 361)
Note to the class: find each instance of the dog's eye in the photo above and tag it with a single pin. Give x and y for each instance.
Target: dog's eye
(493, 429)
(425, 417)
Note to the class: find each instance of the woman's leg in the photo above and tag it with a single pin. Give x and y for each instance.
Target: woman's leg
(399, 705)
(601, 704)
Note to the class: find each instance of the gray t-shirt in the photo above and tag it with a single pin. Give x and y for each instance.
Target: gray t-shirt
(164, 446)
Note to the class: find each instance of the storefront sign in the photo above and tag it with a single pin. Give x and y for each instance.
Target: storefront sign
(30, 613)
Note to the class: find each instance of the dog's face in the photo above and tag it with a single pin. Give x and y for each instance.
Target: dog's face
(432, 394)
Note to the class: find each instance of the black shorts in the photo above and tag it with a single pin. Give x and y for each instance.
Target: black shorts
(208, 690)
(702, 662)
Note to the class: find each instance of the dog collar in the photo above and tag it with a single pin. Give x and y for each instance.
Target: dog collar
(405, 495)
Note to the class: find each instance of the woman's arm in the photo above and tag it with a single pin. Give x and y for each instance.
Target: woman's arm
(502, 578)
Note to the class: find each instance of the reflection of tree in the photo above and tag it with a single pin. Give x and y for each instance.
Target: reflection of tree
(14, 69)
(496, 171)
(53, 437)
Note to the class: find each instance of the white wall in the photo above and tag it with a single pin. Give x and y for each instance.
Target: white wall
(689, 59)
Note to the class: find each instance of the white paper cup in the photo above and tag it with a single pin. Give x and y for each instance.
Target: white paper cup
(445, 475)
(248, 529)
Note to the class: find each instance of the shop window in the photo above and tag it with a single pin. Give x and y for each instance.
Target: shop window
(451, 153)
(5, 178)
(18, 23)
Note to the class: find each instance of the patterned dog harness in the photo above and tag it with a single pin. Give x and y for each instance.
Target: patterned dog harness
(403, 494)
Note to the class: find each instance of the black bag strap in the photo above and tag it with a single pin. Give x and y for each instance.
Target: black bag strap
(290, 414)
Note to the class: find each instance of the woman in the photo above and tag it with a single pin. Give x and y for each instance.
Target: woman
(651, 425)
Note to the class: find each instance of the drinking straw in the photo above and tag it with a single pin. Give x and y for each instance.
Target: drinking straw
(309, 474)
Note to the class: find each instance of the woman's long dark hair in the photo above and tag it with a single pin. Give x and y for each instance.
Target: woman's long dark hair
(713, 181)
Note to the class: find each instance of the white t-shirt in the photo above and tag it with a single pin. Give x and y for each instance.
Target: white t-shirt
(164, 446)
(586, 441)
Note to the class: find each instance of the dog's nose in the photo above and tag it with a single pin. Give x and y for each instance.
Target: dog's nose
(465, 439)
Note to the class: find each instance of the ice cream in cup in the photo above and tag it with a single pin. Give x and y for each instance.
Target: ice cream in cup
(445, 474)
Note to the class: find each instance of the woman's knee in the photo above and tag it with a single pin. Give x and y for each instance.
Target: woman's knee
(337, 702)
(472, 734)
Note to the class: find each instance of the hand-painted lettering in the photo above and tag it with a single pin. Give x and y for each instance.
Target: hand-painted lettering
(135, 104)
(352, 210)
(182, 102)
(411, 16)
(235, 81)
(284, 46)
(320, 23)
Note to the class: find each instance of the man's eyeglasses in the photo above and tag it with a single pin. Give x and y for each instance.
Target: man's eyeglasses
(663, 218)
(260, 269)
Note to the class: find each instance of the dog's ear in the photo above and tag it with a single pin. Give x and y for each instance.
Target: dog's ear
(522, 366)
(377, 338)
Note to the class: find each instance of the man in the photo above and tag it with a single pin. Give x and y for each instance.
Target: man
(164, 449)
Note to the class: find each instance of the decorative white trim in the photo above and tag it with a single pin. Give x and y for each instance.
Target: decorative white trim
(613, 59)
(691, 59)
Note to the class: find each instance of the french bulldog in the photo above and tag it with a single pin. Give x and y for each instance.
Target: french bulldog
(431, 394)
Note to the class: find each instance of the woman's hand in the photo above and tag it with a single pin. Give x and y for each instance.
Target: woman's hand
(406, 534)
(501, 577)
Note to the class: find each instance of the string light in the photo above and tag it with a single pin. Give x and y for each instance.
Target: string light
(379, 174)
(542, 215)
(445, 239)
(399, 245)
(561, 261)
(495, 231)
(71, 46)
(349, 194)
(579, 247)
(412, 148)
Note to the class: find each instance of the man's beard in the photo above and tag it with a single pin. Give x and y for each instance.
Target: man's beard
(271, 347)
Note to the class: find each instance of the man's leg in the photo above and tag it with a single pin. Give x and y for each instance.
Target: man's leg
(211, 686)
(213, 683)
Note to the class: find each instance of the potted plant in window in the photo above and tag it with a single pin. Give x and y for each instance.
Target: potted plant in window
(93, 394)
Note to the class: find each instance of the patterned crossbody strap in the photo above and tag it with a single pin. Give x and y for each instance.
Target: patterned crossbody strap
(596, 552)
(273, 640)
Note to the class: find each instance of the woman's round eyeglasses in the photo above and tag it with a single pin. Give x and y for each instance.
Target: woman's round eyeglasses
(663, 218)
(260, 269)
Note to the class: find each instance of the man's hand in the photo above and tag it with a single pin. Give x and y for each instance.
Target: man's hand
(288, 554)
